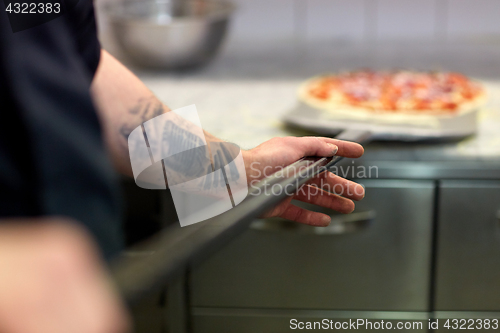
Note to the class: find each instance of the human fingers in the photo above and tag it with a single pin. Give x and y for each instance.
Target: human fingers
(316, 196)
(301, 215)
(330, 182)
(312, 146)
(346, 148)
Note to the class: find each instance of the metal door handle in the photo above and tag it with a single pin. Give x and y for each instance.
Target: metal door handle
(341, 224)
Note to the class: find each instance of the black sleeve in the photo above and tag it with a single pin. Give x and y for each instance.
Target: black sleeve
(50, 144)
(82, 20)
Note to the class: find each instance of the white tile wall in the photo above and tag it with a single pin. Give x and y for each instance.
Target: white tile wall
(337, 19)
(405, 19)
(361, 20)
(357, 20)
(473, 17)
(264, 19)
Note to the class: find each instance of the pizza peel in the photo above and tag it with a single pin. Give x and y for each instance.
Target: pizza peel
(328, 123)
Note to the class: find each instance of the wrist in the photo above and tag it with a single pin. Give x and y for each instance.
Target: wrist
(248, 159)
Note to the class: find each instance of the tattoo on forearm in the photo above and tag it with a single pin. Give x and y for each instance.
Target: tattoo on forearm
(145, 109)
(187, 156)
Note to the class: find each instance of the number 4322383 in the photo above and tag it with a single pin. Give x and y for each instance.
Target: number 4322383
(34, 8)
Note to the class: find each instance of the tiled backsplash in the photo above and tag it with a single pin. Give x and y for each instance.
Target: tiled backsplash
(357, 22)
(366, 20)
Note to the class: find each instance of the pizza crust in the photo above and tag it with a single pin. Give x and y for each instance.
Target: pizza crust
(419, 118)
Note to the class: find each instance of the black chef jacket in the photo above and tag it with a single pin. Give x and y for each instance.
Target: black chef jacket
(52, 159)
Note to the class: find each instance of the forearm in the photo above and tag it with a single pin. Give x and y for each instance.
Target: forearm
(123, 103)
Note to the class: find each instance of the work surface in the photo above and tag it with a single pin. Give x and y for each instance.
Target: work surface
(243, 95)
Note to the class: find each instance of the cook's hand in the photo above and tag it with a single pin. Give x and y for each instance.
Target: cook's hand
(53, 282)
(277, 153)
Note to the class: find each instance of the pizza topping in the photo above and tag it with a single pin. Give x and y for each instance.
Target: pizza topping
(397, 90)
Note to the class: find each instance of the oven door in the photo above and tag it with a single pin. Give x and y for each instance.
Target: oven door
(377, 259)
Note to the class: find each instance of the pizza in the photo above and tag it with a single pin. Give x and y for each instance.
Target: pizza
(394, 92)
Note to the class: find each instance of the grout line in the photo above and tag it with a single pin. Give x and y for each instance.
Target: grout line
(370, 20)
(441, 17)
(370, 33)
(299, 26)
(299, 19)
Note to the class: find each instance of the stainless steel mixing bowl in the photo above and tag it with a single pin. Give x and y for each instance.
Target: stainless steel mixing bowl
(169, 34)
